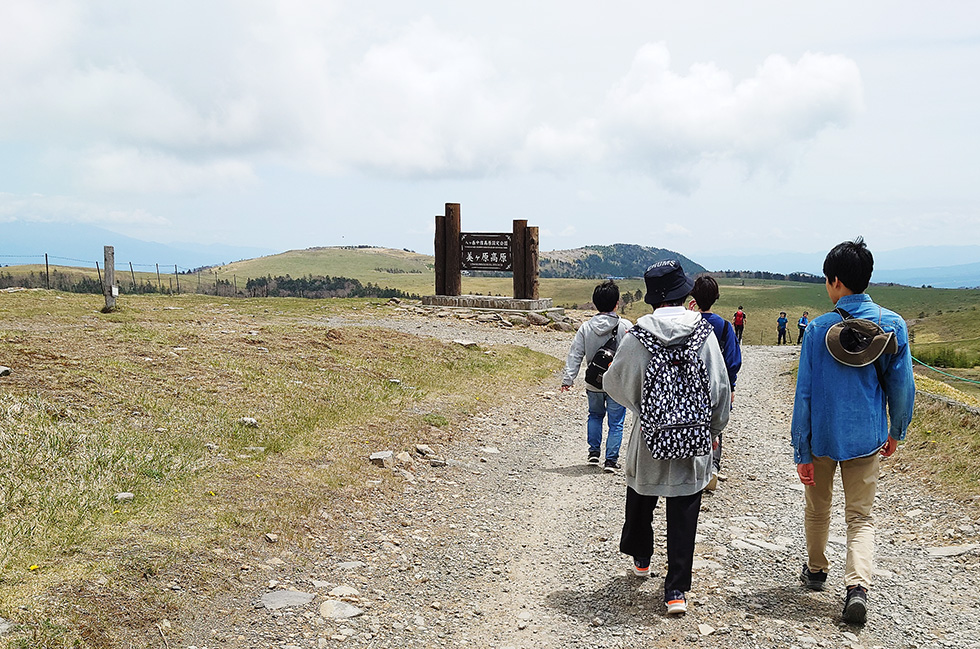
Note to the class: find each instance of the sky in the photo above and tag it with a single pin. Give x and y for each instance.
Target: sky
(702, 127)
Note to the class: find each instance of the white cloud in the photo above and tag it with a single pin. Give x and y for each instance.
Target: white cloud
(676, 230)
(669, 125)
(64, 209)
(325, 87)
(132, 170)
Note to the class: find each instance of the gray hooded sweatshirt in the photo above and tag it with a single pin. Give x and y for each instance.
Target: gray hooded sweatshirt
(588, 339)
(624, 383)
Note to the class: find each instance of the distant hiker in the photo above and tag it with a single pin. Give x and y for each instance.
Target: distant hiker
(603, 330)
(781, 328)
(738, 321)
(802, 326)
(854, 361)
(705, 294)
(669, 370)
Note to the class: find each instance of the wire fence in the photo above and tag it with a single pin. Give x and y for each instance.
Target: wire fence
(153, 278)
(172, 279)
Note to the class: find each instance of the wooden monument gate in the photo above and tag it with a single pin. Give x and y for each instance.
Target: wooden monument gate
(456, 251)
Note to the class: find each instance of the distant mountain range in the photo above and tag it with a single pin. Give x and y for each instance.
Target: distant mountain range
(938, 266)
(73, 244)
(23, 243)
(617, 260)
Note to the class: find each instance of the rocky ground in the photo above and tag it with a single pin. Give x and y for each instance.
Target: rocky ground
(515, 544)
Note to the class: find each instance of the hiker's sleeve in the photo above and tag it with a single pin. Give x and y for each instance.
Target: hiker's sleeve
(732, 353)
(800, 431)
(623, 381)
(900, 389)
(721, 393)
(575, 355)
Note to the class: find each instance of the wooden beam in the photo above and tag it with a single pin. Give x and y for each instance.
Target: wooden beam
(531, 264)
(454, 254)
(440, 252)
(518, 255)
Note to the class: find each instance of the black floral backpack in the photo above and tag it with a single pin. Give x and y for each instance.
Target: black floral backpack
(675, 405)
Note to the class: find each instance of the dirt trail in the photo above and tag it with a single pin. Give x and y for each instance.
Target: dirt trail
(515, 544)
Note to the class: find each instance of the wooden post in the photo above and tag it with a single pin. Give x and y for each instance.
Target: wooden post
(454, 255)
(47, 273)
(518, 255)
(177, 277)
(159, 285)
(440, 252)
(101, 283)
(133, 275)
(110, 278)
(531, 264)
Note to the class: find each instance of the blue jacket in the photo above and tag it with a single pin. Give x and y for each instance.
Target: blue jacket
(729, 345)
(839, 410)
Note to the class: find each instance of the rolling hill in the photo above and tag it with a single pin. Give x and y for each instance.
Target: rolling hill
(617, 260)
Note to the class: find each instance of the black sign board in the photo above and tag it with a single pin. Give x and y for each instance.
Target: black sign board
(486, 251)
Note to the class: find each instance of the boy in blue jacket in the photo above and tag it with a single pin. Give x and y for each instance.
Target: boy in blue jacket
(840, 419)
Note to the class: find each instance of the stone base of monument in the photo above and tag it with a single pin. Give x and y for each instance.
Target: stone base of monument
(490, 302)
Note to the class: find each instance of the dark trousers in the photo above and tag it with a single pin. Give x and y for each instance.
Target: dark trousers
(682, 526)
(781, 338)
(738, 332)
(799, 341)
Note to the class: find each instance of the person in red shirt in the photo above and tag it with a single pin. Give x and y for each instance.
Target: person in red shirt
(738, 321)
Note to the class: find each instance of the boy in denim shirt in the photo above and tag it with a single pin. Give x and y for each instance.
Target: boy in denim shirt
(840, 418)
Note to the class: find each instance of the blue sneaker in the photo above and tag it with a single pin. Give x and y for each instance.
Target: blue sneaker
(676, 602)
(641, 566)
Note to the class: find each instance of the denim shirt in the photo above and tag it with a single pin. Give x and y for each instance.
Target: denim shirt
(839, 411)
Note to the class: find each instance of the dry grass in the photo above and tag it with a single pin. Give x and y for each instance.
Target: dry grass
(149, 400)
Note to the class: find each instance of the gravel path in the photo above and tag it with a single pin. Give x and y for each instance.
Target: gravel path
(515, 543)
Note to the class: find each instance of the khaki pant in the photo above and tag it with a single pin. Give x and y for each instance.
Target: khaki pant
(860, 479)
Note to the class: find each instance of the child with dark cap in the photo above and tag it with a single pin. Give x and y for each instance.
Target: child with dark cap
(681, 480)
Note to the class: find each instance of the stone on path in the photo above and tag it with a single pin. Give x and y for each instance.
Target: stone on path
(345, 591)
(422, 449)
(350, 565)
(952, 550)
(705, 629)
(334, 610)
(4, 370)
(466, 343)
(538, 319)
(382, 458)
(283, 598)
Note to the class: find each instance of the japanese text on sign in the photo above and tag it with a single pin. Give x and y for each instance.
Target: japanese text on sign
(485, 251)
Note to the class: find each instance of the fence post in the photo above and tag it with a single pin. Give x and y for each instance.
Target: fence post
(159, 286)
(177, 277)
(110, 290)
(454, 255)
(518, 255)
(531, 264)
(133, 275)
(47, 273)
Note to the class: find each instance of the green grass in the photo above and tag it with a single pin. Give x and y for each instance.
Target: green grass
(149, 400)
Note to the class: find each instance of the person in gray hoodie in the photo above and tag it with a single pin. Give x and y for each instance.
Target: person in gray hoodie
(590, 337)
(680, 481)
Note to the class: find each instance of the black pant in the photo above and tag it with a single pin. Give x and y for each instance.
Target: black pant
(738, 332)
(781, 338)
(682, 526)
(800, 339)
